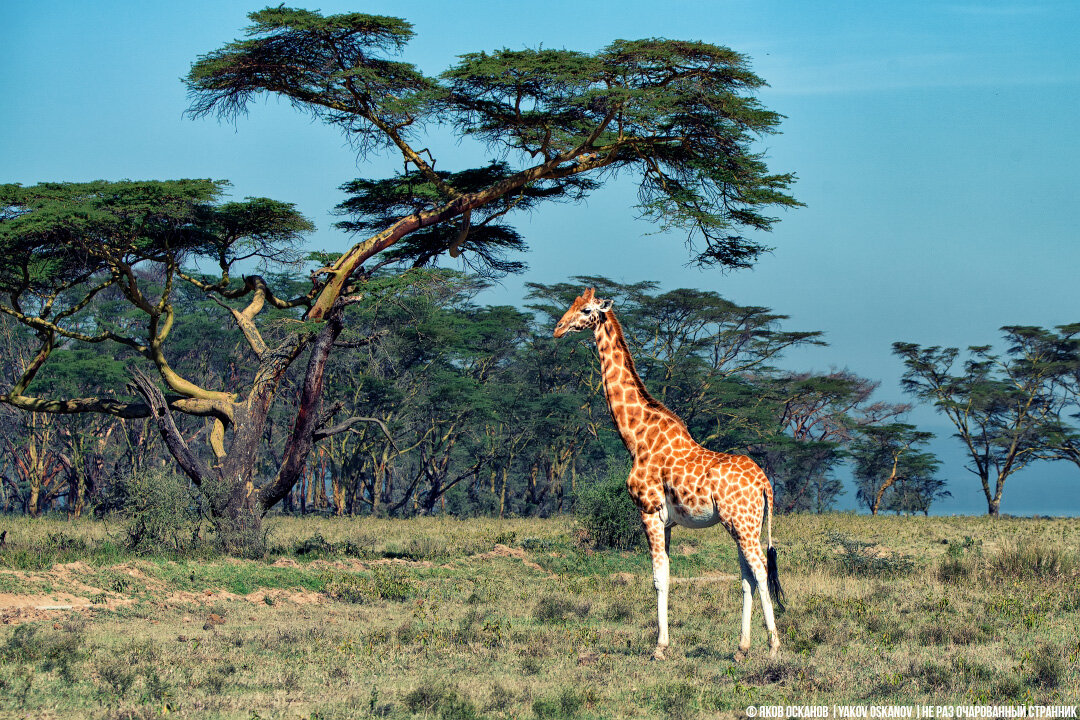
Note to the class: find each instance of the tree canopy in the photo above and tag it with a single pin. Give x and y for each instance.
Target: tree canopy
(679, 116)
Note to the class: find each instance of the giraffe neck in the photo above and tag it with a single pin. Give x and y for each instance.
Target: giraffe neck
(627, 398)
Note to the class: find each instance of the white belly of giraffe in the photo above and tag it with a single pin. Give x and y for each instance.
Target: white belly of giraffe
(672, 513)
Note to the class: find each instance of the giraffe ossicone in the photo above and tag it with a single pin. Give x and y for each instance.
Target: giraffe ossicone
(675, 481)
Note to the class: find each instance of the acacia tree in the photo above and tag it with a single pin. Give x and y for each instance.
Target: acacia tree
(1052, 359)
(1000, 406)
(68, 249)
(680, 117)
(888, 457)
(822, 415)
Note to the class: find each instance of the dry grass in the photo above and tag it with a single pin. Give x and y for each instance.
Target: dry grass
(390, 618)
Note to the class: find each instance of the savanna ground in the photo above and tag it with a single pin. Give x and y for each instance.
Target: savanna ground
(485, 618)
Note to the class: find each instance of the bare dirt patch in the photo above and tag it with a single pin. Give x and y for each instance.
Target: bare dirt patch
(505, 551)
(21, 607)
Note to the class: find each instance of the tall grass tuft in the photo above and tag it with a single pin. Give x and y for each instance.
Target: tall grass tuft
(1028, 562)
(1033, 561)
(862, 559)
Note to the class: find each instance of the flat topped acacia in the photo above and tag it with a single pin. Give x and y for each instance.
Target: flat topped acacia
(678, 116)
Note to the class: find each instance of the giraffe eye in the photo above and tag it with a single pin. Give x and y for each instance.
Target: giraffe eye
(586, 311)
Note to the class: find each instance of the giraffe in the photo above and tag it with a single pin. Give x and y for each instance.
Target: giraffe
(675, 481)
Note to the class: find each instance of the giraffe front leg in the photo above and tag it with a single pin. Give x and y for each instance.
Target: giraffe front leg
(658, 535)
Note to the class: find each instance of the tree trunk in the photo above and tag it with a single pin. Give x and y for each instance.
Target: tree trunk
(886, 485)
(33, 502)
(302, 438)
(502, 492)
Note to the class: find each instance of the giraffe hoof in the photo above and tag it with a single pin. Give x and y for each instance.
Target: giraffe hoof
(740, 655)
(774, 651)
(658, 653)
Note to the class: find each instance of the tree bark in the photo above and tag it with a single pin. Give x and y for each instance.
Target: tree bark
(302, 438)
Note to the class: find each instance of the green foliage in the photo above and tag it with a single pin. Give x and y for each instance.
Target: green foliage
(317, 546)
(681, 116)
(162, 513)
(565, 704)
(390, 582)
(441, 700)
(891, 453)
(57, 546)
(608, 516)
(1008, 410)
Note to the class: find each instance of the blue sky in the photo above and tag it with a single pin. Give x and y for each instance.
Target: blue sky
(936, 145)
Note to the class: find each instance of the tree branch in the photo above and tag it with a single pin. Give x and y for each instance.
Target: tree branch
(159, 411)
(346, 425)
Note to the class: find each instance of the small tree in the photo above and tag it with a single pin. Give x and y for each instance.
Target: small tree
(887, 458)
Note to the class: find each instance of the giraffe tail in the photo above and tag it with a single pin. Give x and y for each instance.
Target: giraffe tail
(772, 572)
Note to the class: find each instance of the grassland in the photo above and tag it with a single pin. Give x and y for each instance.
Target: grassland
(458, 619)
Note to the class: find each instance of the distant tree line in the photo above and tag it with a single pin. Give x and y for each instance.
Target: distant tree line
(439, 404)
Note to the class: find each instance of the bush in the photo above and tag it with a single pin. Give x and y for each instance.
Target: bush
(862, 559)
(162, 513)
(565, 705)
(446, 701)
(607, 515)
(556, 608)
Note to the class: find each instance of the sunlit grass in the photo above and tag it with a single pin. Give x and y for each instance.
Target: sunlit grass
(367, 617)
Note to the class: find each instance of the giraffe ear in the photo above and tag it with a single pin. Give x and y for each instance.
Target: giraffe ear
(604, 305)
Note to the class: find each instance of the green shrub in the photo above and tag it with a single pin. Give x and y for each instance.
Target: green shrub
(346, 587)
(1045, 666)
(115, 675)
(607, 515)
(386, 582)
(390, 582)
(565, 705)
(675, 701)
(316, 545)
(162, 513)
(58, 650)
(437, 698)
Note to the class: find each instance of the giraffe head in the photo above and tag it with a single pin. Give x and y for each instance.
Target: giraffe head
(584, 313)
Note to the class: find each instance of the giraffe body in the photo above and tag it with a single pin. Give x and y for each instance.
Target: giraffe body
(675, 481)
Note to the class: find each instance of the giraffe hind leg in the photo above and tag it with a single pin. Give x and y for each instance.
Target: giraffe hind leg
(756, 560)
(749, 584)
